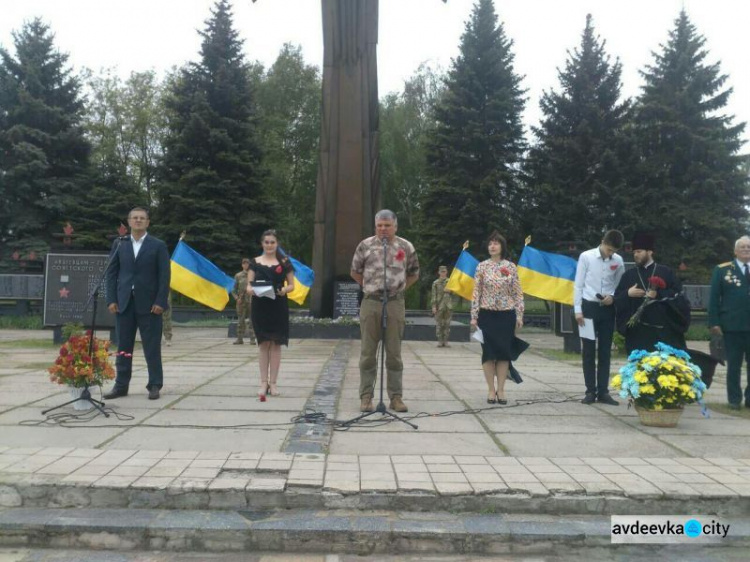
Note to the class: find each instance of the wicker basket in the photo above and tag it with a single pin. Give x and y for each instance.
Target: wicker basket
(659, 418)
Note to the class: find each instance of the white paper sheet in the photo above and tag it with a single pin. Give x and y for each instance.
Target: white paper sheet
(587, 330)
(478, 335)
(264, 291)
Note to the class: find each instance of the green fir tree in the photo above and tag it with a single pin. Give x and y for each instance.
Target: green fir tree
(212, 180)
(43, 152)
(475, 148)
(576, 171)
(690, 189)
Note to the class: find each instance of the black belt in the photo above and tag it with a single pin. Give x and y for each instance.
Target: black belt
(379, 297)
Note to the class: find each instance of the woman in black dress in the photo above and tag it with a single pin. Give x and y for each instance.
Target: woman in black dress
(270, 317)
(497, 309)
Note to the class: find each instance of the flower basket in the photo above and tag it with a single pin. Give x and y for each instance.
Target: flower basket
(659, 384)
(75, 394)
(659, 418)
(77, 368)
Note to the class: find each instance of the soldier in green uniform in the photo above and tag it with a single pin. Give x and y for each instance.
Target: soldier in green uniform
(243, 303)
(729, 315)
(442, 306)
(166, 319)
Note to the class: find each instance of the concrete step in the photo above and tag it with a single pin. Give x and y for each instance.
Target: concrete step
(272, 491)
(337, 531)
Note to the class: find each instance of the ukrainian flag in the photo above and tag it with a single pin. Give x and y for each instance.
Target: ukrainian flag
(196, 277)
(547, 276)
(461, 281)
(303, 280)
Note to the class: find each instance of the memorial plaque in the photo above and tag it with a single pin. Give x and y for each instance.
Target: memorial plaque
(14, 286)
(346, 299)
(698, 295)
(69, 279)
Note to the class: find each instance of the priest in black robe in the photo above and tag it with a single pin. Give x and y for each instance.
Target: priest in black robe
(666, 316)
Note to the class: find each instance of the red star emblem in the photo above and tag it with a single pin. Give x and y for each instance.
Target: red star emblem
(64, 293)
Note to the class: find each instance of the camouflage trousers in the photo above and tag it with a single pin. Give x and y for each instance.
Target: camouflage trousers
(243, 320)
(443, 324)
(166, 319)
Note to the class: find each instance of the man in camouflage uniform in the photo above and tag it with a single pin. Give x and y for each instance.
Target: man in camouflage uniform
(442, 306)
(243, 303)
(166, 319)
(368, 267)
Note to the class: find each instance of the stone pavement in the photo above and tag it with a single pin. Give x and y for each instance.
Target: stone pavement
(209, 452)
(209, 403)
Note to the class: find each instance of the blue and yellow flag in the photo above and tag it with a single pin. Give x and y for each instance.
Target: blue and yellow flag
(547, 276)
(461, 281)
(196, 277)
(303, 280)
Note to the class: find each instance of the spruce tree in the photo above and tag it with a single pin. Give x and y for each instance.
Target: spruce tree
(576, 171)
(474, 150)
(691, 190)
(211, 179)
(43, 152)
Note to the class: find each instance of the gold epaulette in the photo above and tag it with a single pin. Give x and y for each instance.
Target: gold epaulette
(725, 264)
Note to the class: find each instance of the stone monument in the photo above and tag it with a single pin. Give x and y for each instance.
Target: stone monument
(348, 193)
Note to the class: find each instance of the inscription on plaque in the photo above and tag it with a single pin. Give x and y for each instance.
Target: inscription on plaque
(16, 286)
(69, 279)
(346, 299)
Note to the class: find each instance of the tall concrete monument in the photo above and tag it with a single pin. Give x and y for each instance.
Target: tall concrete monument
(348, 193)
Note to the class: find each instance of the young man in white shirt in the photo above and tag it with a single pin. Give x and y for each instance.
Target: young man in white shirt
(597, 275)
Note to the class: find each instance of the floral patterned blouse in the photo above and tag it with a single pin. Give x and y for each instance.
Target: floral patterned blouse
(496, 287)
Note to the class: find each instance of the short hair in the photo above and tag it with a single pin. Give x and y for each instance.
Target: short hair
(495, 236)
(741, 239)
(144, 209)
(614, 239)
(386, 215)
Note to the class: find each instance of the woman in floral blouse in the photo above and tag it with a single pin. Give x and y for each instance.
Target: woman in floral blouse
(497, 309)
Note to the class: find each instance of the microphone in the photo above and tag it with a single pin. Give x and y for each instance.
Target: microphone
(127, 237)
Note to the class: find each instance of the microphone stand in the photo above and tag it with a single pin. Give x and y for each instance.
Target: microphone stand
(380, 408)
(93, 297)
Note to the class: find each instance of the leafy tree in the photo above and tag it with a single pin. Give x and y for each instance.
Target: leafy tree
(474, 150)
(289, 106)
(691, 190)
(211, 181)
(577, 171)
(125, 124)
(43, 152)
(405, 119)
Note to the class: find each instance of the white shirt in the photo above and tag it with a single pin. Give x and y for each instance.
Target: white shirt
(137, 244)
(595, 275)
(741, 265)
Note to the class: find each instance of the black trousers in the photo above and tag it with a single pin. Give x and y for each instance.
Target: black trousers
(596, 373)
(150, 326)
(737, 346)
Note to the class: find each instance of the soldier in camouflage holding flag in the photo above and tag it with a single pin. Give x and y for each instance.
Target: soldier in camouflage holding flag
(442, 306)
(243, 303)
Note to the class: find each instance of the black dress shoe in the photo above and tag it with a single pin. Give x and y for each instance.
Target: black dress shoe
(153, 393)
(588, 399)
(115, 393)
(607, 399)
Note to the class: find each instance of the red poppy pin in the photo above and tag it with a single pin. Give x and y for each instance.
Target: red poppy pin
(279, 269)
(400, 255)
(613, 267)
(505, 271)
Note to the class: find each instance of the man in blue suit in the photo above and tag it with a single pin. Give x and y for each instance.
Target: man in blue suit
(137, 287)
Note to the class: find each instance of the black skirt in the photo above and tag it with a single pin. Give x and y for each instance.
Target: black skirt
(499, 332)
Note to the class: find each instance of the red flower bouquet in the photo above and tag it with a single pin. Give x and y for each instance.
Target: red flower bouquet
(75, 367)
(654, 284)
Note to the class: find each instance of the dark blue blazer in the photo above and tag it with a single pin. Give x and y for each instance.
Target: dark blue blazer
(146, 277)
